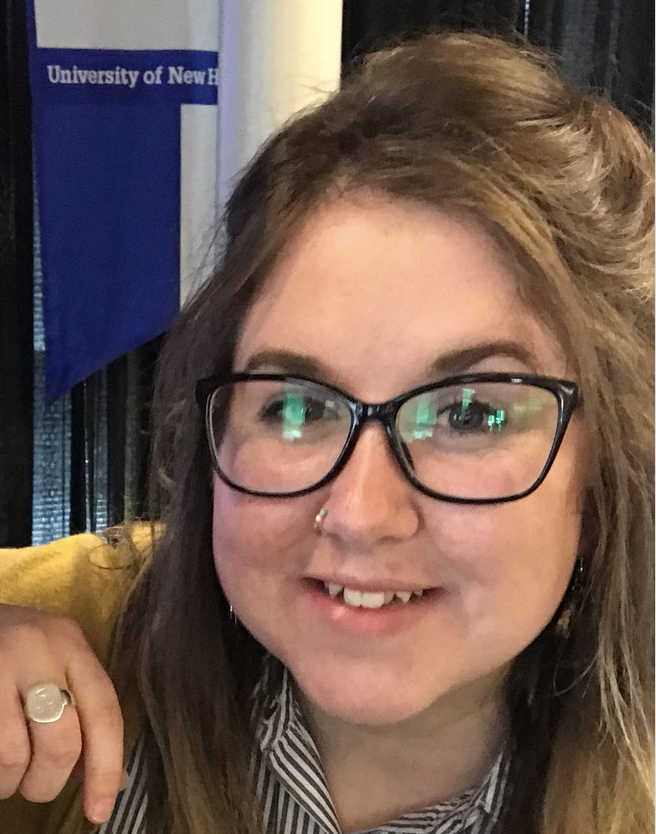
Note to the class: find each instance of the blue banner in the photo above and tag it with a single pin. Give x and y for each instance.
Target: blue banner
(109, 161)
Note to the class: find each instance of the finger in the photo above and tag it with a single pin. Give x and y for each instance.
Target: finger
(15, 745)
(78, 771)
(55, 749)
(77, 774)
(101, 725)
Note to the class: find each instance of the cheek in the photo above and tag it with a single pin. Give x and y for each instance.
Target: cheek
(256, 537)
(260, 547)
(511, 563)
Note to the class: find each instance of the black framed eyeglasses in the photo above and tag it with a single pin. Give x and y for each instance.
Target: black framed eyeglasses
(471, 439)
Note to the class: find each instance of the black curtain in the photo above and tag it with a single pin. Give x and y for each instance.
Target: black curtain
(16, 270)
(101, 429)
(368, 24)
(604, 45)
(109, 446)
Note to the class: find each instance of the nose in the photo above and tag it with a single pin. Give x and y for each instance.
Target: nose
(371, 500)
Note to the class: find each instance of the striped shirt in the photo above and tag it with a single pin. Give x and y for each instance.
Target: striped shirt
(292, 788)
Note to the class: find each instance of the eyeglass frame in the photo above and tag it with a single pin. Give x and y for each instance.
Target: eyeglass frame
(567, 394)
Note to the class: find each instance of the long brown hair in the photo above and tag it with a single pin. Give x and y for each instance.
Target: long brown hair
(564, 181)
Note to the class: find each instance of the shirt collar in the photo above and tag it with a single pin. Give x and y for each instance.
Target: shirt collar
(280, 719)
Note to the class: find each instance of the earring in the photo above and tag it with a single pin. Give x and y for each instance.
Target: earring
(318, 521)
(233, 617)
(572, 600)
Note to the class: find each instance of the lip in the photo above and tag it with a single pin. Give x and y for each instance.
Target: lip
(367, 622)
(373, 586)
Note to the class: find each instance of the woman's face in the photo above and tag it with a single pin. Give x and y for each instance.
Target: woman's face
(370, 296)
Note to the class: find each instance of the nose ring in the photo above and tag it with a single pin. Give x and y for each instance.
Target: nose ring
(318, 521)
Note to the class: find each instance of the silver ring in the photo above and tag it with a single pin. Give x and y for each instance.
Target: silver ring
(45, 702)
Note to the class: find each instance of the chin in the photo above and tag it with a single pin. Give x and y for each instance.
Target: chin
(360, 701)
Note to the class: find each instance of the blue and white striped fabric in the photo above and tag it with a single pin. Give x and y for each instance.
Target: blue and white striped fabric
(292, 787)
(125, 136)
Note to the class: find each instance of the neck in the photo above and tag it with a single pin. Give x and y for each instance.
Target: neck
(377, 773)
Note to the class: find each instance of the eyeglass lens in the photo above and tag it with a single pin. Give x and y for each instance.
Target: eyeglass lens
(474, 441)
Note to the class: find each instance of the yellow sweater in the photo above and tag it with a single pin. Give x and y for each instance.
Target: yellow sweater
(86, 578)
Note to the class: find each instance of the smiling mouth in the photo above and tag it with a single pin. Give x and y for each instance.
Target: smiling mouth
(372, 599)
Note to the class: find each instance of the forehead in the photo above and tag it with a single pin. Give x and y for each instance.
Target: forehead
(390, 285)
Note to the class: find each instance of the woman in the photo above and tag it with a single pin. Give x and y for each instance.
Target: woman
(430, 614)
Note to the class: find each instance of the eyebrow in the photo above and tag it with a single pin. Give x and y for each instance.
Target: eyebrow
(288, 362)
(460, 360)
(456, 361)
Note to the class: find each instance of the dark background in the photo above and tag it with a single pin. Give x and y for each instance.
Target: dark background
(606, 45)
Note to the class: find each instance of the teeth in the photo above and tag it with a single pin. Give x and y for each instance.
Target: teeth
(373, 600)
(364, 599)
(369, 599)
(352, 597)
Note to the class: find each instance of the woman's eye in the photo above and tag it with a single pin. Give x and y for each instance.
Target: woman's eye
(460, 414)
(473, 415)
(298, 410)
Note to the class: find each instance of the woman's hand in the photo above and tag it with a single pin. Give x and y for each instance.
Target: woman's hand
(36, 760)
